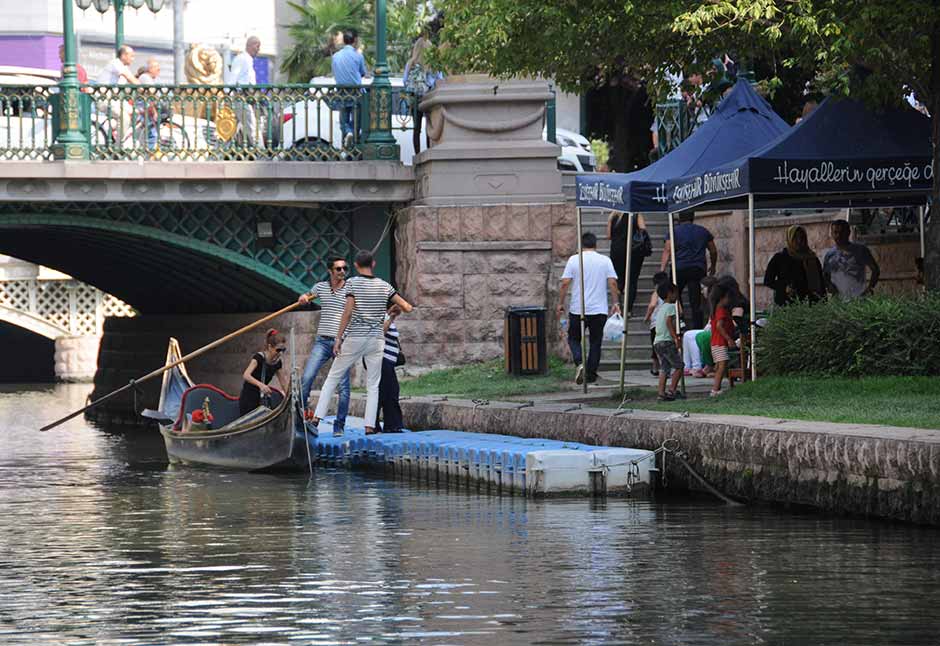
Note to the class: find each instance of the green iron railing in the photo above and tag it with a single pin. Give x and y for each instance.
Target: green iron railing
(675, 121)
(200, 122)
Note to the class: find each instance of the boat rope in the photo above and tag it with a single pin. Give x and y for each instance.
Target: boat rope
(671, 446)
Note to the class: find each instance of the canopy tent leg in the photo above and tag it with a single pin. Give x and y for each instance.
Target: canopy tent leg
(751, 288)
(923, 242)
(675, 281)
(584, 354)
(626, 291)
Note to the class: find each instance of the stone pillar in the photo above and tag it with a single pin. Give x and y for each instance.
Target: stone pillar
(490, 224)
(76, 358)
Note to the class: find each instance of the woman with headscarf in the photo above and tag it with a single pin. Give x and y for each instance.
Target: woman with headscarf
(795, 273)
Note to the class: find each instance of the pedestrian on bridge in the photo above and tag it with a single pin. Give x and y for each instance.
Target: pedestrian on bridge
(361, 335)
(332, 297)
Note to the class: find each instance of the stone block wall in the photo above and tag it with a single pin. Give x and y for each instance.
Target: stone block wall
(462, 266)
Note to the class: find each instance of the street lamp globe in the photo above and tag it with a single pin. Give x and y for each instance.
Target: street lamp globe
(102, 5)
(83, 4)
(135, 4)
(155, 5)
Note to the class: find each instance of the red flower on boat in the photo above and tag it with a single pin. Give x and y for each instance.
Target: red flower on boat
(200, 418)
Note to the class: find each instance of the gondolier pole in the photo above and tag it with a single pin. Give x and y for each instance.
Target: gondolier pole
(584, 355)
(751, 285)
(675, 281)
(160, 371)
(297, 406)
(626, 304)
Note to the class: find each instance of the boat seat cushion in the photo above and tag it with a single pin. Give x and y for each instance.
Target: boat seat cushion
(224, 407)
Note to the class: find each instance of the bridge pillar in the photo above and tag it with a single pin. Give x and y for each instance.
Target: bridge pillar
(490, 223)
(76, 357)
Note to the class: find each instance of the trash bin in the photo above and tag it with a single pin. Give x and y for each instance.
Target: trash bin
(524, 341)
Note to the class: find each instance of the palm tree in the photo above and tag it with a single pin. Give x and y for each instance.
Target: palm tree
(313, 35)
(319, 20)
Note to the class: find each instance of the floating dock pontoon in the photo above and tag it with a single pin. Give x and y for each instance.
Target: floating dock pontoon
(504, 463)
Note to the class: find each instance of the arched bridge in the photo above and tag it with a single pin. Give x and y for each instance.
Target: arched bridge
(58, 308)
(193, 257)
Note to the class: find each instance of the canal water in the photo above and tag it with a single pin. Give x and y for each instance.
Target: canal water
(101, 542)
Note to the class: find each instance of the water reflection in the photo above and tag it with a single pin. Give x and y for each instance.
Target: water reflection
(103, 543)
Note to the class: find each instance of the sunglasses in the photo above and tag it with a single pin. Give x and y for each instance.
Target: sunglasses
(280, 349)
(343, 268)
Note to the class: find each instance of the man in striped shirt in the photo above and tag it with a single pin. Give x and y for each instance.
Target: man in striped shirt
(388, 386)
(361, 335)
(332, 296)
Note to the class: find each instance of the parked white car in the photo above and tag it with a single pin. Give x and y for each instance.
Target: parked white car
(25, 111)
(576, 152)
(314, 123)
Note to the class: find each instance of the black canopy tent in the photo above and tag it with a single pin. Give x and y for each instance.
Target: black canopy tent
(742, 122)
(842, 155)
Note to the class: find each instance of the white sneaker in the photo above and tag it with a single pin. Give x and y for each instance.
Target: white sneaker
(579, 375)
(715, 393)
(348, 141)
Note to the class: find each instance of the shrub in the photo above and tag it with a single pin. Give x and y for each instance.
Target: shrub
(872, 336)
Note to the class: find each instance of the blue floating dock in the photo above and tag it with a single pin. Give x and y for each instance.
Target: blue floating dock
(506, 463)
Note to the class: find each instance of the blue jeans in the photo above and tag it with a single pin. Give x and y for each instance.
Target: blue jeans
(320, 354)
(347, 120)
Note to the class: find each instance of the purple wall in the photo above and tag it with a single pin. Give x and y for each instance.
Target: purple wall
(30, 51)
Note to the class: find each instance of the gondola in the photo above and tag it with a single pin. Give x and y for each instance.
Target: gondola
(262, 439)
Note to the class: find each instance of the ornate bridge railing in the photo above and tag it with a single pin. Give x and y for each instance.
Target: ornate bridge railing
(71, 306)
(201, 122)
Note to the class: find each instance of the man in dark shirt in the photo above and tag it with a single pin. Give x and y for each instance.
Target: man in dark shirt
(692, 240)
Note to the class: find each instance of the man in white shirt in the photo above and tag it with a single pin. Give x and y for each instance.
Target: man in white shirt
(599, 278)
(243, 73)
(119, 112)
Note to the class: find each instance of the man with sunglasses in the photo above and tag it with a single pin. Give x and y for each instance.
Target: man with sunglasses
(332, 297)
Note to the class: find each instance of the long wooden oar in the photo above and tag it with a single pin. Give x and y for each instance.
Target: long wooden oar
(160, 371)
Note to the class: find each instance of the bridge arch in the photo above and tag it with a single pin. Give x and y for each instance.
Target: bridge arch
(32, 322)
(155, 271)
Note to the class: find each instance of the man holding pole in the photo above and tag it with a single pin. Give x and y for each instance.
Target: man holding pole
(332, 296)
(599, 278)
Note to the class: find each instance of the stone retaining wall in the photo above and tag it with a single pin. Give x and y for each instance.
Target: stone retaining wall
(857, 469)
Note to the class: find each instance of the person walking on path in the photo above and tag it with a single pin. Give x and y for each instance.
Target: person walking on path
(692, 241)
(361, 336)
(795, 273)
(667, 343)
(844, 265)
(349, 68)
(599, 277)
(641, 245)
(332, 296)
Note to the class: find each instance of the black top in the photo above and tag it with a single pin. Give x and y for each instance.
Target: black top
(250, 397)
(784, 271)
(642, 244)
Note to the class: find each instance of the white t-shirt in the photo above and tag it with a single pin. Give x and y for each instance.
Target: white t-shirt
(243, 70)
(597, 269)
(112, 73)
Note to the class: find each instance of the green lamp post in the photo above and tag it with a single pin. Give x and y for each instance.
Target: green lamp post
(70, 141)
(379, 143)
(103, 5)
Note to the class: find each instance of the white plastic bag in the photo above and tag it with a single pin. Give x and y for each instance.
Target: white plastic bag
(613, 328)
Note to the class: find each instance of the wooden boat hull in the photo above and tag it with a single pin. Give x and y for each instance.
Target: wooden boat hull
(263, 441)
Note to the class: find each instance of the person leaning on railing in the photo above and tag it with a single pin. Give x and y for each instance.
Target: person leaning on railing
(243, 74)
(116, 73)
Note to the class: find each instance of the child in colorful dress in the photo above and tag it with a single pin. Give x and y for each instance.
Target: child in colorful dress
(722, 334)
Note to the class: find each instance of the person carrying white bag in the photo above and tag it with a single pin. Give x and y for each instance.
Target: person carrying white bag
(613, 328)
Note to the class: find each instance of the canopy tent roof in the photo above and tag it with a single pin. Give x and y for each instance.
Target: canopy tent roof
(841, 154)
(742, 122)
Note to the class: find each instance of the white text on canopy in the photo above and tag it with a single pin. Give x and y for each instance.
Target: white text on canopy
(600, 192)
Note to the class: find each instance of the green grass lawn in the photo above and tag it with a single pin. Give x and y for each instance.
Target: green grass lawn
(488, 380)
(893, 401)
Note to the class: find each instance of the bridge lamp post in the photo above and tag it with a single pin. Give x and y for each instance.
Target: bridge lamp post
(103, 5)
(379, 143)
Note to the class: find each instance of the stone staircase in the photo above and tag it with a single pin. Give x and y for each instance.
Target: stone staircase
(638, 344)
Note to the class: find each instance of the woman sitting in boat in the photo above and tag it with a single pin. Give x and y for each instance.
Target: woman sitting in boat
(261, 370)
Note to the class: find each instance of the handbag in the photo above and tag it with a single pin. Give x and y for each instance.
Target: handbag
(642, 245)
(400, 361)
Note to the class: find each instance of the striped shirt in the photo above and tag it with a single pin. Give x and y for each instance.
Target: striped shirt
(331, 307)
(392, 345)
(372, 297)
